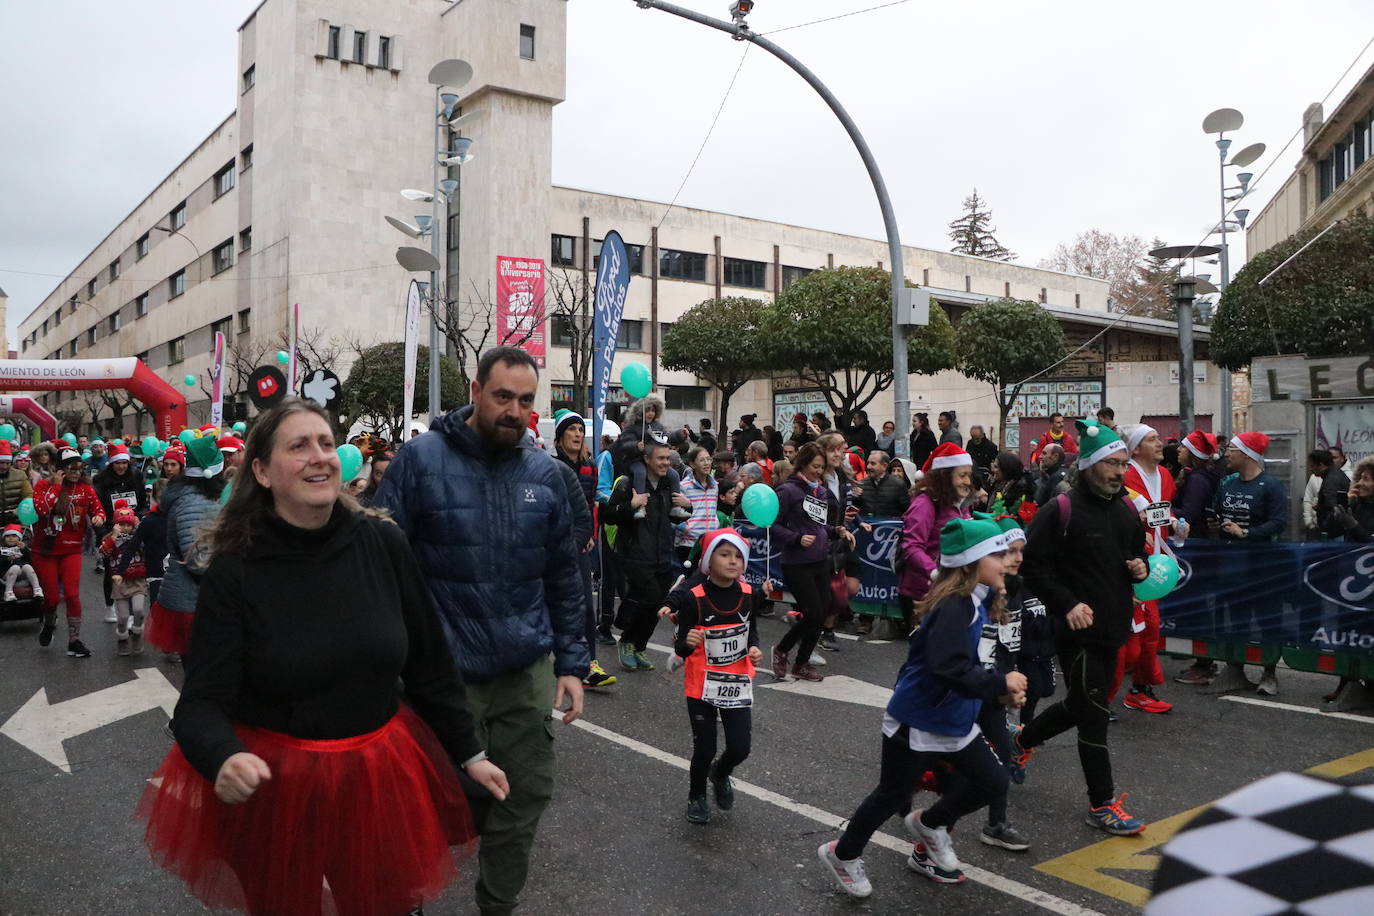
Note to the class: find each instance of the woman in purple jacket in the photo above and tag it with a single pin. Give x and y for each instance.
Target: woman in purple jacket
(803, 529)
(944, 488)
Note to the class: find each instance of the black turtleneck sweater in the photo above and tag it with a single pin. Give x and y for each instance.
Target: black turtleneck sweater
(307, 633)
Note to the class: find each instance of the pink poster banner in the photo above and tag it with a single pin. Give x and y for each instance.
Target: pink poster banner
(520, 305)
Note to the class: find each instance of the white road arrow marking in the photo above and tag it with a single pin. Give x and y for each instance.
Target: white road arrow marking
(42, 727)
(836, 687)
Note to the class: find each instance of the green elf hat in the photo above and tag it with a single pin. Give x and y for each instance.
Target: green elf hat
(1096, 442)
(203, 457)
(1011, 528)
(968, 540)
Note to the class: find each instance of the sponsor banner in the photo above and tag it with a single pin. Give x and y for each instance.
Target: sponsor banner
(54, 373)
(217, 383)
(1347, 426)
(412, 344)
(520, 305)
(873, 551)
(612, 285)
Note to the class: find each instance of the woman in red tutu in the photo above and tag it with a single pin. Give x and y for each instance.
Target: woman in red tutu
(300, 784)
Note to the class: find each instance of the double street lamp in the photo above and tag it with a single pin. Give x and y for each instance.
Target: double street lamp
(446, 77)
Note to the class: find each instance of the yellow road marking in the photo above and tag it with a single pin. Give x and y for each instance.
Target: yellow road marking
(1087, 867)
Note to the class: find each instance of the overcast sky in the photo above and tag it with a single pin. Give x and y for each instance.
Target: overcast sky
(1065, 115)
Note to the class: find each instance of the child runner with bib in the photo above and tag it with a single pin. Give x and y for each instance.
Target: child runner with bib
(718, 636)
(932, 718)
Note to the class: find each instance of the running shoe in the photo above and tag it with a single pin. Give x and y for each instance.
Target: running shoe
(936, 840)
(829, 641)
(597, 676)
(642, 661)
(818, 660)
(1112, 818)
(10, 595)
(675, 662)
(1194, 676)
(1144, 701)
(604, 636)
(849, 874)
(679, 514)
(1020, 756)
(920, 862)
(792, 618)
(110, 615)
(780, 664)
(807, 672)
(724, 792)
(697, 812)
(45, 634)
(77, 649)
(37, 591)
(1006, 836)
(1268, 685)
(627, 657)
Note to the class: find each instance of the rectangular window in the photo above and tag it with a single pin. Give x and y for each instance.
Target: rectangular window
(359, 47)
(384, 52)
(791, 275)
(332, 49)
(527, 42)
(114, 270)
(176, 351)
(738, 272)
(141, 306)
(141, 247)
(90, 289)
(24, 347)
(245, 318)
(250, 77)
(1360, 145)
(222, 258)
(224, 180)
(92, 335)
(1325, 179)
(681, 265)
(72, 350)
(176, 284)
(116, 322)
(561, 330)
(246, 239)
(72, 303)
(631, 336)
(246, 158)
(685, 397)
(178, 216)
(57, 317)
(224, 326)
(563, 251)
(45, 326)
(633, 253)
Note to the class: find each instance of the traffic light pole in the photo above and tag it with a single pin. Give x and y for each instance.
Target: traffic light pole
(741, 32)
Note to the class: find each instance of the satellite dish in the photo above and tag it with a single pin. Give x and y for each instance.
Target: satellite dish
(1185, 251)
(466, 118)
(417, 260)
(412, 194)
(1218, 122)
(453, 73)
(1248, 155)
(1201, 286)
(407, 228)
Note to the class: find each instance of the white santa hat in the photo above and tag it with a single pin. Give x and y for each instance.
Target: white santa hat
(1137, 434)
(713, 539)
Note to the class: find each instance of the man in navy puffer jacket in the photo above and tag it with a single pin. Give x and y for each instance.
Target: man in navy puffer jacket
(488, 518)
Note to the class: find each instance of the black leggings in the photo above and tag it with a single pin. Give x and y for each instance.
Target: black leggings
(984, 778)
(738, 730)
(1088, 673)
(809, 584)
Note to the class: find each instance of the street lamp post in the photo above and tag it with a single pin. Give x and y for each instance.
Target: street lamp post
(1186, 289)
(902, 300)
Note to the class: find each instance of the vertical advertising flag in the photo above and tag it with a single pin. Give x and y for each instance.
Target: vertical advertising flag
(612, 285)
(217, 383)
(520, 305)
(412, 348)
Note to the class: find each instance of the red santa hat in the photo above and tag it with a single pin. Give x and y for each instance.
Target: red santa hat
(15, 530)
(123, 515)
(1202, 444)
(175, 453)
(856, 463)
(119, 452)
(713, 539)
(230, 444)
(1252, 445)
(6, 452)
(947, 455)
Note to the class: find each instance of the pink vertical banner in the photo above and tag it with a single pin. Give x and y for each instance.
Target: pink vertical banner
(293, 335)
(520, 305)
(217, 383)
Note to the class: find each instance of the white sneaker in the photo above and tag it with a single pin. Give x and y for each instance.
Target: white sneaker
(1268, 686)
(817, 659)
(849, 875)
(110, 615)
(936, 840)
(37, 592)
(10, 596)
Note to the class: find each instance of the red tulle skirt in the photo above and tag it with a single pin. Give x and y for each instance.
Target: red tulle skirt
(169, 630)
(356, 827)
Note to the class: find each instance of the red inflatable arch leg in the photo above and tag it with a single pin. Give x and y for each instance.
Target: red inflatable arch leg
(31, 410)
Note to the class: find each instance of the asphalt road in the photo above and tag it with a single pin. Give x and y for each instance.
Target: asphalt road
(615, 840)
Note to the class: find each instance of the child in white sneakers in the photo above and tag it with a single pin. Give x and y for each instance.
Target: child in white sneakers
(130, 590)
(932, 718)
(18, 560)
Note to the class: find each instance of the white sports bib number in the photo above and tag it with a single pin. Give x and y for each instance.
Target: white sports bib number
(816, 509)
(727, 691)
(1157, 514)
(726, 645)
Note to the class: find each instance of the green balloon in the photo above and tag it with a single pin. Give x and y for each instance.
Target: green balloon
(70, 439)
(26, 512)
(240, 427)
(1163, 578)
(190, 380)
(760, 505)
(6, 431)
(636, 380)
(150, 444)
(350, 461)
(283, 357)
(187, 436)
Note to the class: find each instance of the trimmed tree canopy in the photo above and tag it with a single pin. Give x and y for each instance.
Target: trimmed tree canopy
(718, 341)
(1321, 303)
(1005, 343)
(834, 328)
(374, 390)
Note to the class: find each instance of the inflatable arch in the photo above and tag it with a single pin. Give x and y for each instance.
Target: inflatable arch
(31, 410)
(167, 405)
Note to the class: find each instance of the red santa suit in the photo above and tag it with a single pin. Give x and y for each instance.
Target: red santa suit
(1153, 495)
